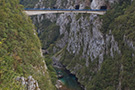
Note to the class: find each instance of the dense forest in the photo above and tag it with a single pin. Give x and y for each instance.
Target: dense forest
(19, 49)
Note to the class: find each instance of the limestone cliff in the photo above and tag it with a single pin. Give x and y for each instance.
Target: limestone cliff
(80, 31)
(88, 44)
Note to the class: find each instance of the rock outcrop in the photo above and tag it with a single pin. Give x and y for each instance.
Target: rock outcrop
(29, 83)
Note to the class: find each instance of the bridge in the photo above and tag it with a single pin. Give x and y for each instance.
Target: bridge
(31, 12)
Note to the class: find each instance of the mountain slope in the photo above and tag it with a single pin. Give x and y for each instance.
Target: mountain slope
(99, 50)
(20, 54)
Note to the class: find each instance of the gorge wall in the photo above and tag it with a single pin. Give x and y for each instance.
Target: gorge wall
(20, 55)
(99, 50)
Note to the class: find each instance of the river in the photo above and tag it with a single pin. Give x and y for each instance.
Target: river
(70, 82)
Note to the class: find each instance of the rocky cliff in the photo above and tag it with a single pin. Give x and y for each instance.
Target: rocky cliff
(79, 32)
(99, 50)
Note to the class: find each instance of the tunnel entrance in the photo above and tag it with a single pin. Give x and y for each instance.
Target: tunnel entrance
(54, 8)
(77, 6)
(103, 7)
(91, 0)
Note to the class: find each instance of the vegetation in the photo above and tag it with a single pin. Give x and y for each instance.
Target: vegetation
(32, 3)
(19, 49)
(49, 33)
(51, 70)
(28, 3)
(117, 72)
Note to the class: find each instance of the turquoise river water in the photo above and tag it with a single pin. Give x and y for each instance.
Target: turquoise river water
(69, 80)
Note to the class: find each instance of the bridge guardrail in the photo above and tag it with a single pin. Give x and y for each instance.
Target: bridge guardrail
(65, 9)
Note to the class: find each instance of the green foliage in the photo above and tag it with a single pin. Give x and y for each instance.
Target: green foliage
(28, 3)
(107, 77)
(114, 71)
(124, 24)
(19, 48)
(117, 10)
(119, 69)
(51, 70)
(50, 33)
(32, 3)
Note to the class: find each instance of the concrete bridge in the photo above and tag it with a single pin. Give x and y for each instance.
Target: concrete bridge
(31, 12)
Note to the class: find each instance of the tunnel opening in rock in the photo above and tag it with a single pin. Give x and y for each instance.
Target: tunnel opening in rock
(103, 7)
(54, 7)
(91, 0)
(77, 6)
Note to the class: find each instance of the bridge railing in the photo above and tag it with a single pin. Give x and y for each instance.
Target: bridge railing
(48, 9)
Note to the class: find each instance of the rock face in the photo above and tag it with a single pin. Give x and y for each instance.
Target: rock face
(81, 46)
(29, 83)
(96, 4)
(79, 31)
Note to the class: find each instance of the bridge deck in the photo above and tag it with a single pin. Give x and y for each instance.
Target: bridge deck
(45, 11)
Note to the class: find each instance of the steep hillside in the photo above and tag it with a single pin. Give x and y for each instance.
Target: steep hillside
(20, 54)
(99, 50)
(28, 3)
